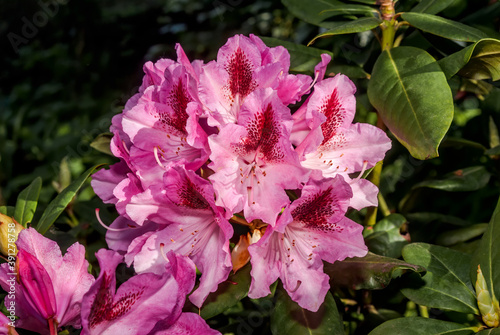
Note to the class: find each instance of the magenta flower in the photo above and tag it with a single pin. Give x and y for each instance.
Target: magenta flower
(313, 228)
(6, 326)
(192, 225)
(49, 287)
(337, 146)
(142, 303)
(254, 161)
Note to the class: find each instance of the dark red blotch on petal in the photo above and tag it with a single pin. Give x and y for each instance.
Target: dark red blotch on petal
(332, 109)
(240, 71)
(264, 133)
(177, 99)
(103, 309)
(190, 196)
(316, 209)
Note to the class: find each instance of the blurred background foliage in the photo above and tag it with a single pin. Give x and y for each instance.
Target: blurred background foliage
(60, 88)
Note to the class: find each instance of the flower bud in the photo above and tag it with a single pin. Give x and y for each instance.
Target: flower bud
(488, 306)
(9, 230)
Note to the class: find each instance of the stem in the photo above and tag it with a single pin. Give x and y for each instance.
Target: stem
(388, 13)
(383, 205)
(374, 177)
(52, 326)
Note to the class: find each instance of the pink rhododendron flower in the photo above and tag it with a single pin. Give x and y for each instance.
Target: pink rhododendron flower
(337, 146)
(49, 287)
(313, 228)
(6, 326)
(141, 303)
(194, 226)
(254, 161)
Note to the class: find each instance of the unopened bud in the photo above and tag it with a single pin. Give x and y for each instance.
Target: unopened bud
(488, 305)
(9, 230)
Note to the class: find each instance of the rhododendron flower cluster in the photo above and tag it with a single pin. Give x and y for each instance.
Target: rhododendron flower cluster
(206, 146)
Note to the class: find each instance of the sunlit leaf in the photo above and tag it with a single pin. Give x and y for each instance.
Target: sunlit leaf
(289, 318)
(412, 96)
(371, 272)
(57, 206)
(27, 202)
(446, 284)
(480, 60)
(101, 143)
(469, 179)
(439, 26)
(420, 326)
(350, 27)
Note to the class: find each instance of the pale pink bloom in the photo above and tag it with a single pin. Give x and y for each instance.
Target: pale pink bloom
(254, 161)
(312, 229)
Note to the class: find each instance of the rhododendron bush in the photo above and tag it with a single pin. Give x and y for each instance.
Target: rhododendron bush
(243, 182)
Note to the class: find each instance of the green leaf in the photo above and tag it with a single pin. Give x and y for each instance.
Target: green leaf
(451, 237)
(420, 326)
(488, 255)
(443, 27)
(27, 202)
(350, 27)
(480, 60)
(290, 319)
(309, 11)
(7, 210)
(228, 293)
(412, 96)
(102, 142)
(302, 58)
(385, 238)
(492, 331)
(432, 6)
(57, 206)
(446, 284)
(469, 179)
(493, 151)
(349, 10)
(484, 62)
(371, 272)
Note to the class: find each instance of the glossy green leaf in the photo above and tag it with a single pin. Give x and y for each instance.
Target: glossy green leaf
(420, 326)
(451, 237)
(488, 255)
(352, 71)
(302, 58)
(27, 202)
(385, 238)
(102, 143)
(439, 26)
(371, 272)
(350, 10)
(57, 206)
(432, 6)
(493, 151)
(446, 284)
(412, 96)
(469, 179)
(309, 11)
(350, 27)
(480, 60)
(368, 2)
(228, 293)
(289, 318)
